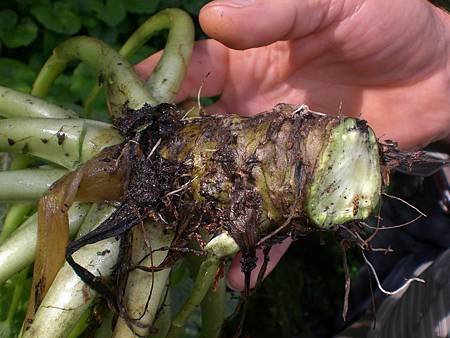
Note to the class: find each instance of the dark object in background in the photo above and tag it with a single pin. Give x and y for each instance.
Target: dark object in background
(421, 311)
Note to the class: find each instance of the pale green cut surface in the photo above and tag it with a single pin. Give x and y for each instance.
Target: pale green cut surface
(346, 184)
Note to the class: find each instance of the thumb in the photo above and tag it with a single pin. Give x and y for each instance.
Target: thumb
(243, 24)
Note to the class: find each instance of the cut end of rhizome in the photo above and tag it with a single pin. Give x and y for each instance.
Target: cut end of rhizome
(346, 183)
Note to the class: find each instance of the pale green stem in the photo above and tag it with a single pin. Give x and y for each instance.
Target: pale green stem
(69, 297)
(16, 216)
(17, 104)
(66, 142)
(21, 161)
(17, 212)
(82, 324)
(27, 185)
(162, 323)
(124, 86)
(165, 81)
(213, 311)
(56, 140)
(19, 282)
(105, 329)
(169, 73)
(145, 288)
(98, 135)
(18, 251)
(203, 282)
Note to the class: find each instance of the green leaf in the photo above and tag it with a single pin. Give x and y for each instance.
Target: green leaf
(58, 18)
(24, 33)
(50, 41)
(89, 21)
(142, 6)
(16, 35)
(112, 12)
(8, 20)
(16, 75)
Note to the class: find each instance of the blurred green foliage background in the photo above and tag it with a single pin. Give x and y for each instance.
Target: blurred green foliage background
(30, 29)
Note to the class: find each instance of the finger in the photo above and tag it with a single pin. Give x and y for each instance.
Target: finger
(236, 277)
(242, 24)
(208, 67)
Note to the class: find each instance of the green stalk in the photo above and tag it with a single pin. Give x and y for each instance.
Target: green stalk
(21, 161)
(16, 216)
(28, 184)
(69, 297)
(97, 135)
(203, 282)
(213, 311)
(66, 142)
(17, 212)
(142, 285)
(124, 86)
(162, 323)
(19, 282)
(169, 73)
(82, 324)
(17, 104)
(18, 251)
(56, 140)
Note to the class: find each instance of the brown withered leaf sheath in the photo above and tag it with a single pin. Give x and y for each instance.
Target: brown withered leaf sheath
(206, 174)
(98, 180)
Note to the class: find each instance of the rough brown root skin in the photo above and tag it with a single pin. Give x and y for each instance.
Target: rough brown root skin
(280, 166)
(258, 178)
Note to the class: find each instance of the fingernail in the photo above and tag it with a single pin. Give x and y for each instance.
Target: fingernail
(232, 3)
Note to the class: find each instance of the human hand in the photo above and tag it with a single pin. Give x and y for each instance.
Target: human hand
(386, 61)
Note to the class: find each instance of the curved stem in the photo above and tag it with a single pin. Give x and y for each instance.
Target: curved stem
(69, 297)
(97, 135)
(19, 288)
(145, 291)
(162, 323)
(56, 140)
(16, 216)
(171, 69)
(27, 185)
(124, 86)
(17, 212)
(21, 161)
(18, 251)
(67, 142)
(203, 282)
(17, 104)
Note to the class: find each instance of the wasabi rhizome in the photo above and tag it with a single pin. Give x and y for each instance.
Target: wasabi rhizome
(130, 200)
